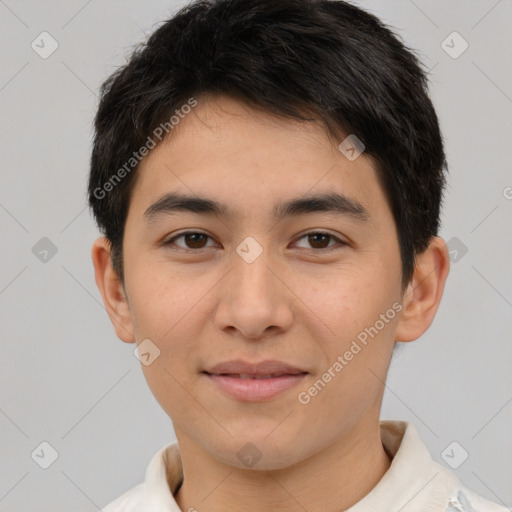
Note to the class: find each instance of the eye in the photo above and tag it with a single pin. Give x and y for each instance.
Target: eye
(193, 240)
(196, 240)
(318, 239)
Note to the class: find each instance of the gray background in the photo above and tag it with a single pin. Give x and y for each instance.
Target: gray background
(64, 376)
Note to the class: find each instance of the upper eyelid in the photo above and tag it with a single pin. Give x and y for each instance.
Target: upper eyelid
(194, 232)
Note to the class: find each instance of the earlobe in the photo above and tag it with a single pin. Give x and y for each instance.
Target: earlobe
(112, 291)
(423, 295)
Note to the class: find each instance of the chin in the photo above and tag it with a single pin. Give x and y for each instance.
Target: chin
(259, 453)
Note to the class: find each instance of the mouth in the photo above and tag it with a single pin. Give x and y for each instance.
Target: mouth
(250, 376)
(254, 382)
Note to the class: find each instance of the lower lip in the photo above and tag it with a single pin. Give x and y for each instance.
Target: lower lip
(255, 390)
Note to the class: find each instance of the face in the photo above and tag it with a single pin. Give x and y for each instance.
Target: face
(315, 287)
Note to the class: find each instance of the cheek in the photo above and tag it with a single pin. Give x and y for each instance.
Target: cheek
(360, 312)
(158, 314)
(163, 300)
(171, 311)
(169, 318)
(345, 302)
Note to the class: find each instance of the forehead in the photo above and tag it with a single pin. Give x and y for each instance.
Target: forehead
(246, 158)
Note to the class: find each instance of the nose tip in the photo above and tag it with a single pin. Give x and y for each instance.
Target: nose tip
(258, 336)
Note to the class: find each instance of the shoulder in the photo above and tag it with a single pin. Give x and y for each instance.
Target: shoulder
(469, 501)
(127, 502)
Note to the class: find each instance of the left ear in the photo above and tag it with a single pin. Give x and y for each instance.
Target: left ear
(424, 292)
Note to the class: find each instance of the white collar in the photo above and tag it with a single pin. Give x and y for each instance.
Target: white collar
(413, 483)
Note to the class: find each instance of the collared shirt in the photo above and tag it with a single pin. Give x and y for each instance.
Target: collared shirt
(413, 483)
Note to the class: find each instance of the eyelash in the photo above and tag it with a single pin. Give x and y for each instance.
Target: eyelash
(171, 241)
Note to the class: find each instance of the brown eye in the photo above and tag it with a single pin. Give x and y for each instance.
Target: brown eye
(320, 240)
(193, 240)
(196, 239)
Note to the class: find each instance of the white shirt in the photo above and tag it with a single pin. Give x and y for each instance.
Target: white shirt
(413, 483)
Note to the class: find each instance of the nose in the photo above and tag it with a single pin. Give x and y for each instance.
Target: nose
(254, 300)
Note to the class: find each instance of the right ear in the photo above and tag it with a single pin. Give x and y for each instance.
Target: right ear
(112, 290)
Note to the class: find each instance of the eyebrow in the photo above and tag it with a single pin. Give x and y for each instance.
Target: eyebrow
(328, 203)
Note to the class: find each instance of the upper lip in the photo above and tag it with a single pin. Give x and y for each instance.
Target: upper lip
(240, 367)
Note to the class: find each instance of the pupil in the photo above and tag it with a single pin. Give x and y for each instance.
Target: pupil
(195, 235)
(312, 237)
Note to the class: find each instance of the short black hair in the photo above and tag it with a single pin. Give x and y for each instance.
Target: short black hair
(308, 60)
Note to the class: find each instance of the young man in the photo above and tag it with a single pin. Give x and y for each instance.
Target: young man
(268, 177)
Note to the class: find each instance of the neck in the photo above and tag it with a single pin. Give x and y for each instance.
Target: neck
(330, 481)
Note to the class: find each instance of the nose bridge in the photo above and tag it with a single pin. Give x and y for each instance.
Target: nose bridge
(251, 275)
(254, 297)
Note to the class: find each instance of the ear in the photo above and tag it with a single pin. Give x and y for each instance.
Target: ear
(112, 290)
(424, 292)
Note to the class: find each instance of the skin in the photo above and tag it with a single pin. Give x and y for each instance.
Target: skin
(301, 301)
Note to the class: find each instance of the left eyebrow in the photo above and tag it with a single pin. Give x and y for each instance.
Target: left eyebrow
(329, 203)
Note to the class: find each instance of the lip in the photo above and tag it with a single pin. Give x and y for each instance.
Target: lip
(254, 382)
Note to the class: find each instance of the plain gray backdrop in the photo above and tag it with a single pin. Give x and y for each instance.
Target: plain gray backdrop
(66, 379)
